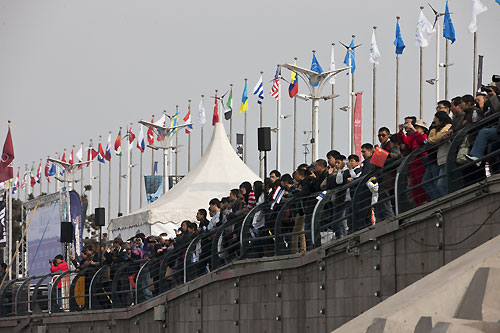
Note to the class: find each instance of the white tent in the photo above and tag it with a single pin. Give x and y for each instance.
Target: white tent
(218, 171)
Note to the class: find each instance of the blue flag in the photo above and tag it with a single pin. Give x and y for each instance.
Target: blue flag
(350, 52)
(498, 1)
(52, 171)
(315, 67)
(398, 42)
(448, 29)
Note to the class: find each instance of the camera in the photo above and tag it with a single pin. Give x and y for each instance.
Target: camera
(495, 78)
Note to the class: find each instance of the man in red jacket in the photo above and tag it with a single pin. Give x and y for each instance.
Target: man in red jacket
(58, 264)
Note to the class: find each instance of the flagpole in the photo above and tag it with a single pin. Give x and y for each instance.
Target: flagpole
(189, 134)
(295, 127)
(374, 99)
(397, 86)
(57, 173)
(120, 176)
(73, 176)
(9, 195)
(261, 161)
(18, 187)
(129, 173)
(81, 171)
(90, 176)
(421, 67)
(332, 126)
(40, 179)
(152, 153)
(100, 174)
(437, 59)
(446, 70)
(176, 148)
(474, 65)
(278, 123)
(109, 183)
(201, 129)
(349, 101)
(244, 133)
(230, 119)
(141, 180)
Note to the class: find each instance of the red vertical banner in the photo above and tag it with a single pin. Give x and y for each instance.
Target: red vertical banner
(357, 123)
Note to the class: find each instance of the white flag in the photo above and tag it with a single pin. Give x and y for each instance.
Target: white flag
(425, 31)
(374, 52)
(201, 113)
(477, 8)
(332, 65)
(79, 154)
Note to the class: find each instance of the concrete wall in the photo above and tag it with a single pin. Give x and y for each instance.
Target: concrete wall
(314, 292)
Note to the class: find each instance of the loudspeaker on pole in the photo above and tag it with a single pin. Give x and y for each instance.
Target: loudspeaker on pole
(264, 138)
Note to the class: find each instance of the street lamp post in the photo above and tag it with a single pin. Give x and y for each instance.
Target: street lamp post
(315, 83)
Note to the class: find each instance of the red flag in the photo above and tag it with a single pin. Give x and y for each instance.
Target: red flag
(6, 171)
(379, 157)
(131, 136)
(357, 123)
(151, 134)
(91, 154)
(215, 118)
(71, 157)
(64, 157)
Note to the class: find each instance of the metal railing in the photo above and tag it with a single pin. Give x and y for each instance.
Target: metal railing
(295, 225)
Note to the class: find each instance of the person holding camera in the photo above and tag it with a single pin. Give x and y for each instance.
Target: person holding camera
(58, 264)
(487, 135)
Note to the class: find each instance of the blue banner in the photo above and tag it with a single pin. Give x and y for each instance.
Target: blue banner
(76, 218)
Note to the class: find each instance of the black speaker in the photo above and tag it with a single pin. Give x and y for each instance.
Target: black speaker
(66, 232)
(264, 138)
(99, 217)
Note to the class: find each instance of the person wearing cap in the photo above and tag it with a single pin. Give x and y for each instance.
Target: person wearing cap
(417, 167)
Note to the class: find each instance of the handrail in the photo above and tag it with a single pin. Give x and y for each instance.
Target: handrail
(92, 284)
(52, 295)
(247, 224)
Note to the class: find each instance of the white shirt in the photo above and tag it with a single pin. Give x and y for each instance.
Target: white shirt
(214, 220)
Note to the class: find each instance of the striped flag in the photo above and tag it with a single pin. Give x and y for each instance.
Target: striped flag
(141, 144)
(118, 143)
(275, 90)
(187, 120)
(259, 90)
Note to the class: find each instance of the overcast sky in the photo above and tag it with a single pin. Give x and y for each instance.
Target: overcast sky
(73, 70)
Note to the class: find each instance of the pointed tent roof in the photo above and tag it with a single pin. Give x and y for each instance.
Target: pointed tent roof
(217, 172)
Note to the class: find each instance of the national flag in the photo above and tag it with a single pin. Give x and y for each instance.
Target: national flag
(379, 157)
(50, 170)
(351, 53)
(276, 85)
(357, 123)
(277, 196)
(332, 64)
(448, 29)
(293, 88)
(161, 122)
(131, 138)
(39, 173)
(477, 8)
(201, 113)
(151, 133)
(228, 109)
(91, 154)
(424, 32)
(63, 170)
(32, 174)
(244, 100)
(215, 117)
(100, 153)
(72, 157)
(79, 156)
(498, 1)
(374, 52)
(15, 187)
(141, 144)
(6, 171)
(107, 154)
(174, 122)
(259, 90)
(398, 42)
(118, 143)
(25, 180)
(315, 67)
(187, 120)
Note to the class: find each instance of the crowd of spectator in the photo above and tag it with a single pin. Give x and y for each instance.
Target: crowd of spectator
(305, 185)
